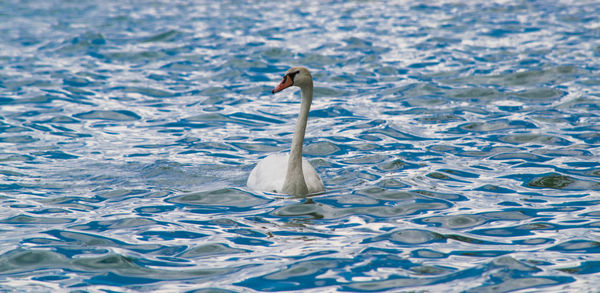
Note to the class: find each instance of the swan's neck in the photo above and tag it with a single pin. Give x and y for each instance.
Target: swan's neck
(294, 179)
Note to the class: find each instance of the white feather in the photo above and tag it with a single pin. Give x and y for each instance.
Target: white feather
(269, 175)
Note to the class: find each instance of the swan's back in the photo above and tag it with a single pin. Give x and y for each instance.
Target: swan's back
(269, 175)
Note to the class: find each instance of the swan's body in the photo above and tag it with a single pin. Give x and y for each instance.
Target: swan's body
(290, 173)
(267, 175)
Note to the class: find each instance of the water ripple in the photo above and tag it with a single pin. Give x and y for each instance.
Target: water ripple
(458, 144)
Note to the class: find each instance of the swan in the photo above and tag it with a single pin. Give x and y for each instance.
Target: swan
(290, 173)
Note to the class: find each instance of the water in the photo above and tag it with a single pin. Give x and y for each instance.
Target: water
(458, 143)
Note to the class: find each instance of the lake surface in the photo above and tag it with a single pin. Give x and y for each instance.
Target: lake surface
(458, 142)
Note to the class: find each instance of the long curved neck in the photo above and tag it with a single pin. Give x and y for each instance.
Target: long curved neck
(294, 183)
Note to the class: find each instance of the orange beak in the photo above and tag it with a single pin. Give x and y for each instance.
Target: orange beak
(285, 83)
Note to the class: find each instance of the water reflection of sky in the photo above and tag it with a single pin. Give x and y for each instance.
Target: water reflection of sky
(458, 143)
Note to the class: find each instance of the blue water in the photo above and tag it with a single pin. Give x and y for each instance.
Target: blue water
(458, 143)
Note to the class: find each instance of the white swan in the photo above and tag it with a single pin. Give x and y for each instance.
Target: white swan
(290, 173)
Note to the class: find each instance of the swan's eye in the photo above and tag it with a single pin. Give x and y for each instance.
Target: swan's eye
(292, 74)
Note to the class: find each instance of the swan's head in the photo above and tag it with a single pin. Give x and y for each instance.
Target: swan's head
(295, 76)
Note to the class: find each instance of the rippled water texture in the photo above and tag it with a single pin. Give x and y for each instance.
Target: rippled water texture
(458, 143)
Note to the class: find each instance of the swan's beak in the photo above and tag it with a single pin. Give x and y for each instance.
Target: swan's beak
(285, 83)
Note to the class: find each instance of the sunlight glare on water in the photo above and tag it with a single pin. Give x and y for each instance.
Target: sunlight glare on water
(458, 143)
